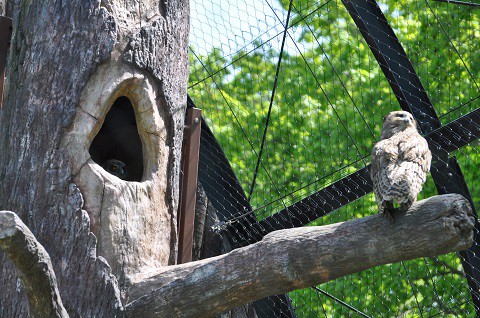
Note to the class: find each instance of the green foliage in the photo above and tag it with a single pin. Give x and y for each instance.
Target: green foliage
(326, 114)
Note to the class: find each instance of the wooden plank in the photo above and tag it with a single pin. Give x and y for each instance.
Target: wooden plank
(229, 200)
(189, 173)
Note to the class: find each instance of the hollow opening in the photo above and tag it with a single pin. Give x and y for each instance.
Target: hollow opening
(117, 146)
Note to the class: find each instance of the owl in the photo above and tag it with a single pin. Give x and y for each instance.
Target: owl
(116, 167)
(400, 163)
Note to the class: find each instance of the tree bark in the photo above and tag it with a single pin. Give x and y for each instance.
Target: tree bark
(96, 228)
(31, 259)
(296, 258)
(69, 61)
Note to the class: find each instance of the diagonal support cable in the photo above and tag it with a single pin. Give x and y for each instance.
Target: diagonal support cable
(272, 97)
(472, 4)
(227, 197)
(327, 58)
(321, 86)
(453, 45)
(358, 312)
(442, 141)
(238, 123)
(411, 95)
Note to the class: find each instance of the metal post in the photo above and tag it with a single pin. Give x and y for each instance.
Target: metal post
(186, 213)
(412, 97)
(443, 141)
(227, 197)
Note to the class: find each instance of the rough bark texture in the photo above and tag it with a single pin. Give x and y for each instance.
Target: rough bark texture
(31, 259)
(296, 258)
(110, 240)
(58, 48)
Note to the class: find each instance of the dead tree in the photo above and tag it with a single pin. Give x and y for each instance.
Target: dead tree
(70, 63)
(85, 241)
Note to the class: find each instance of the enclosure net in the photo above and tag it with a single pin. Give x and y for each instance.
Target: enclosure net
(295, 95)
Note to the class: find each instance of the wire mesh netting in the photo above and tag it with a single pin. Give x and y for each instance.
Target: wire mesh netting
(294, 93)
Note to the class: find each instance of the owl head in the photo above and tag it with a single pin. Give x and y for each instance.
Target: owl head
(116, 167)
(396, 122)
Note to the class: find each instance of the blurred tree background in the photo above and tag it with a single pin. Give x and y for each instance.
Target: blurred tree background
(325, 115)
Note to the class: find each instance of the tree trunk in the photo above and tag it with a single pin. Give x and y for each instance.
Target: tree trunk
(69, 62)
(90, 132)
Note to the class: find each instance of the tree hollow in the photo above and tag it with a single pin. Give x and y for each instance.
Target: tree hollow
(118, 140)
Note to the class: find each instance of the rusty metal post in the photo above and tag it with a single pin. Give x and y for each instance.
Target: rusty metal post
(189, 173)
(5, 35)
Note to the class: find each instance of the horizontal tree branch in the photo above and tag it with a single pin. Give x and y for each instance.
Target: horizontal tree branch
(291, 259)
(34, 264)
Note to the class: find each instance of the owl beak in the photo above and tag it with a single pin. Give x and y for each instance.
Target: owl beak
(409, 121)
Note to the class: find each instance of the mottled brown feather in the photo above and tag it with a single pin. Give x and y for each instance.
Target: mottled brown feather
(400, 161)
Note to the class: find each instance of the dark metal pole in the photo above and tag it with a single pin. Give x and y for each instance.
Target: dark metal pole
(227, 197)
(413, 98)
(443, 140)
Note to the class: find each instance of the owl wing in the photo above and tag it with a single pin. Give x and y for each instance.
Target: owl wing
(384, 156)
(415, 150)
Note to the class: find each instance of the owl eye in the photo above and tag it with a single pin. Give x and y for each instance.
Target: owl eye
(114, 168)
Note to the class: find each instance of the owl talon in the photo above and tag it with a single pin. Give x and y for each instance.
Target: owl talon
(388, 214)
(405, 206)
(388, 211)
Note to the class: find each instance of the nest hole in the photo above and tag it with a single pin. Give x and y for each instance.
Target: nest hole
(117, 146)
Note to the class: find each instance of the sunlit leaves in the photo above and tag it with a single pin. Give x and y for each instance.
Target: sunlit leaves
(325, 116)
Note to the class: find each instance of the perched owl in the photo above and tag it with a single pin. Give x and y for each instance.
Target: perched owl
(116, 167)
(400, 163)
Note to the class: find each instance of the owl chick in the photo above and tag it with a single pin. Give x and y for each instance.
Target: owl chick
(400, 163)
(116, 167)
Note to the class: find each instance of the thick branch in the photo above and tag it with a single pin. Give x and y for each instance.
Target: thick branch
(33, 262)
(296, 258)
